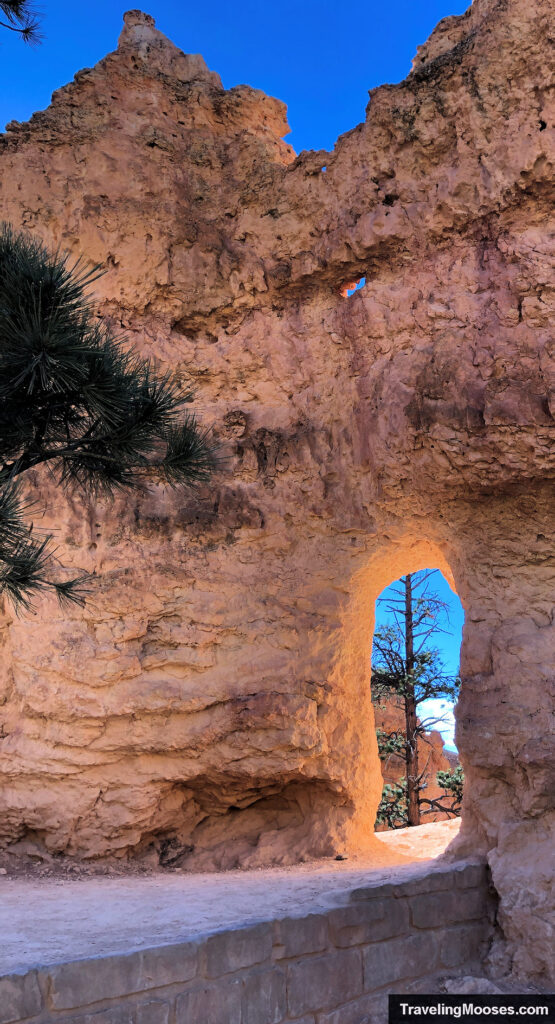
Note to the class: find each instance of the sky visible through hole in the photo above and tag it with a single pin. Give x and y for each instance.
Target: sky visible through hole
(360, 284)
(316, 56)
(448, 643)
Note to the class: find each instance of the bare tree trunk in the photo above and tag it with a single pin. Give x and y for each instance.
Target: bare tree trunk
(411, 722)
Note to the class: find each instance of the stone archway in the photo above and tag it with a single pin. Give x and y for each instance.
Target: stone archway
(213, 686)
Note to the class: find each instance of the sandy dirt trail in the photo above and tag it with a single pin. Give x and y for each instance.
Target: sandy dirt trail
(46, 921)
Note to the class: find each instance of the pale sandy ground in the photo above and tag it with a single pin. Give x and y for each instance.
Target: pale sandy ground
(51, 921)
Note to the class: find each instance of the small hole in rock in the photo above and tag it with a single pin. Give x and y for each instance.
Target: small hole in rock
(350, 287)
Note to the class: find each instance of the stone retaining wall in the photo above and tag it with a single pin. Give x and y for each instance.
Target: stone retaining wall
(335, 967)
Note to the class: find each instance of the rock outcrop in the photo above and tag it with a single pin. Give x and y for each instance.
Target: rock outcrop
(210, 706)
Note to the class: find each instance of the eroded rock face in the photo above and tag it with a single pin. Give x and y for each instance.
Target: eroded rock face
(210, 706)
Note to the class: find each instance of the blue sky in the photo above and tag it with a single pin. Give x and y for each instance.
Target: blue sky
(318, 56)
(448, 643)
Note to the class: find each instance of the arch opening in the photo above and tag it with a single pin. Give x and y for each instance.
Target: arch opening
(358, 763)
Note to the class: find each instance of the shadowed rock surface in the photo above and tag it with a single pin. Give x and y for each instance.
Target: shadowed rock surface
(210, 707)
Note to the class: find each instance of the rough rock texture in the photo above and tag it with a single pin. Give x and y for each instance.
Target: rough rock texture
(211, 704)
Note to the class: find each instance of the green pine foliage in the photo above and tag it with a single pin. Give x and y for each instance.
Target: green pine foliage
(393, 807)
(452, 782)
(74, 396)
(389, 743)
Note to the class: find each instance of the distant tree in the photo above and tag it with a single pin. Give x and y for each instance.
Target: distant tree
(452, 784)
(408, 670)
(392, 809)
(21, 17)
(80, 400)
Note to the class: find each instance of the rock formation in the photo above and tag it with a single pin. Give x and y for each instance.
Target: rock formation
(210, 706)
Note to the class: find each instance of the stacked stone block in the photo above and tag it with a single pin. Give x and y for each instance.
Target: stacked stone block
(335, 967)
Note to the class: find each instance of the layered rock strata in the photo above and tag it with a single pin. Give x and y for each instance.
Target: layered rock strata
(210, 706)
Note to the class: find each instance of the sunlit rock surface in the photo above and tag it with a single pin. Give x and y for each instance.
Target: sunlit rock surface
(210, 707)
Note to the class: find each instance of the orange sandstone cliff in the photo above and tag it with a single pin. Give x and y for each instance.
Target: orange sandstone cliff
(213, 695)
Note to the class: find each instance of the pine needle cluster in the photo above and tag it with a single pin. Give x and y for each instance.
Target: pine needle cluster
(21, 17)
(78, 398)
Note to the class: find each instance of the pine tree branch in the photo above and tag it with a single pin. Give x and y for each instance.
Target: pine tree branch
(22, 19)
(75, 398)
